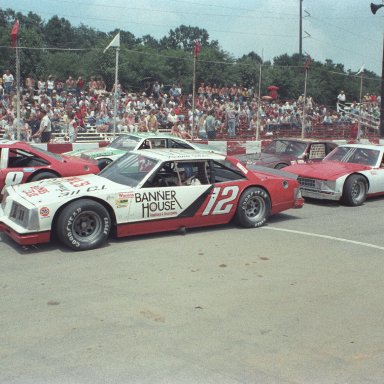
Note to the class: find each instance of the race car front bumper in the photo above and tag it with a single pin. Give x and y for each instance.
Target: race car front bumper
(25, 238)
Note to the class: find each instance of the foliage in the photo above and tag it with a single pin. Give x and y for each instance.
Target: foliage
(57, 48)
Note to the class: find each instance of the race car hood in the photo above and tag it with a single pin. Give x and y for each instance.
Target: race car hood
(264, 158)
(325, 170)
(96, 152)
(53, 190)
(78, 160)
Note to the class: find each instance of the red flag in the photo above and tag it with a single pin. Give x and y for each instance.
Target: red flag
(14, 32)
(197, 49)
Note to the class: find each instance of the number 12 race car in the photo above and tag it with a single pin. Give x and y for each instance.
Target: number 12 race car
(143, 192)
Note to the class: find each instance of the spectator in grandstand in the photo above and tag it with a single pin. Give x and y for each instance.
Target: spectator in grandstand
(70, 85)
(80, 84)
(341, 99)
(41, 85)
(230, 121)
(156, 88)
(171, 119)
(152, 122)
(72, 128)
(8, 81)
(102, 123)
(176, 129)
(142, 123)
(174, 93)
(59, 86)
(30, 83)
(50, 86)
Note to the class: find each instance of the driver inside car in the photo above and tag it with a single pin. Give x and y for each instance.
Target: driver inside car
(187, 177)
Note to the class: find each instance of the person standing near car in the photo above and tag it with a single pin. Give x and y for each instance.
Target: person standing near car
(33, 123)
(45, 127)
(210, 125)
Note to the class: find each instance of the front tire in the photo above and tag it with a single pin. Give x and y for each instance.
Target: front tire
(43, 176)
(83, 224)
(355, 190)
(253, 208)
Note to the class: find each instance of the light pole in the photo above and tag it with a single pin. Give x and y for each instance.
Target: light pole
(374, 8)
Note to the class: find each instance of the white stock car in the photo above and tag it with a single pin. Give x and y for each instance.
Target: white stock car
(132, 141)
(143, 192)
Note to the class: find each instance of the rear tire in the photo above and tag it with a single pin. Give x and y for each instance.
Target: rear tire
(83, 224)
(355, 190)
(253, 208)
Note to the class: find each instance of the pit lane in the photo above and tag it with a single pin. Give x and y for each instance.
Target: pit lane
(297, 301)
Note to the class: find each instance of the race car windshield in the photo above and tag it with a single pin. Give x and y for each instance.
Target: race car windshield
(287, 147)
(126, 142)
(129, 170)
(364, 156)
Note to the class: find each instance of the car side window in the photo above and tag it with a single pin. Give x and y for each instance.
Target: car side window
(224, 171)
(158, 143)
(174, 143)
(19, 158)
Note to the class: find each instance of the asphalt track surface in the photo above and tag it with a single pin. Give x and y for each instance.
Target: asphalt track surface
(299, 300)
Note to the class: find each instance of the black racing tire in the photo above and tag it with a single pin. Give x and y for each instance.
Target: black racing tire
(83, 224)
(253, 208)
(355, 190)
(43, 175)
(280, 166)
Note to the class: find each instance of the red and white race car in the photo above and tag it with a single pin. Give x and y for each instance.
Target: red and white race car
(350, 173)
(23, 163)
(143, 192)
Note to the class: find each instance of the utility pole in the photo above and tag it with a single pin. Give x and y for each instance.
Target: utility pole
(301, 29)
(374, 9)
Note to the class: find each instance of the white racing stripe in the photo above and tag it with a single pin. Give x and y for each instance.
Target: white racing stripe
(325, 237)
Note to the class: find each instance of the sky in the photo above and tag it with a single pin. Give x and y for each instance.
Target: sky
(345, 32)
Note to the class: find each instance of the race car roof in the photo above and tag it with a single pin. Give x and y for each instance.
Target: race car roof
(179, 154)
(377, 147)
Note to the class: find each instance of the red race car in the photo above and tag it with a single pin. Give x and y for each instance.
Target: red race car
(22, 163)
(145, 192)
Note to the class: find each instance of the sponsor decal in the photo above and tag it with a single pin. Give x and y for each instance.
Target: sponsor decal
(36, 190)
(158, 203)
(77, 181)
(93, 188)
(44, 211)
(126, 195)
(28, 170)
(121, 203)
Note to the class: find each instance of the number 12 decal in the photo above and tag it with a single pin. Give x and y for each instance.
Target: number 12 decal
(218, 203)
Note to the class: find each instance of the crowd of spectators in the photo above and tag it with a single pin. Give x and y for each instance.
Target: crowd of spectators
(76, 105)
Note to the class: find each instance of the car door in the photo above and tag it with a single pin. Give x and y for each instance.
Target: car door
(168, 205)
(8, 176)
(376, 176)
